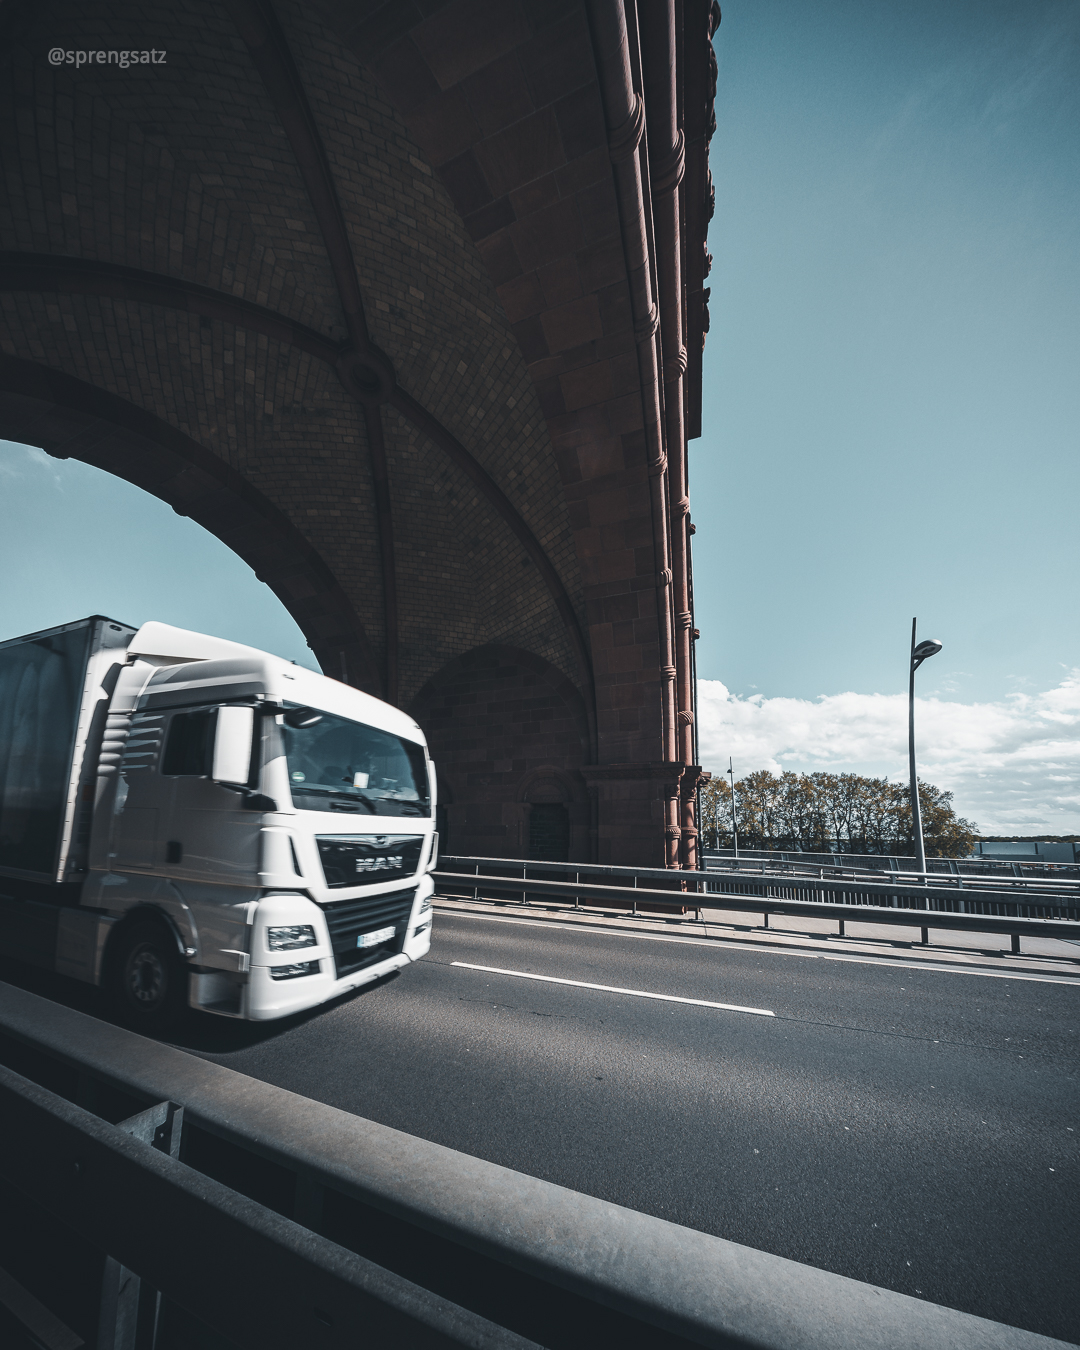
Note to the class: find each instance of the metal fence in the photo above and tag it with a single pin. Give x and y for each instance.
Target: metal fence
(1010, 906)
(1028, 895)
(891, 863)
(213, 1210)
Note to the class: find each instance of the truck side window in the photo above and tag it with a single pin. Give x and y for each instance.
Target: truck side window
(190, 744)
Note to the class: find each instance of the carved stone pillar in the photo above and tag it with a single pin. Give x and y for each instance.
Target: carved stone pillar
(692, 778)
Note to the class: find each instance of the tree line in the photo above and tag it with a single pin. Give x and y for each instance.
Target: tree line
(814, 812)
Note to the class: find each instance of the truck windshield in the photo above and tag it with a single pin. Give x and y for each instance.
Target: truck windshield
(338, 765)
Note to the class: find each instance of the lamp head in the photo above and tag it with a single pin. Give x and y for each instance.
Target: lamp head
(930, 647)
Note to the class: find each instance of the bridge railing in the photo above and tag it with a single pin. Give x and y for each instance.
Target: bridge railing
(1011, 906)
(1031, 894)
(268, 1220)
(980, 866)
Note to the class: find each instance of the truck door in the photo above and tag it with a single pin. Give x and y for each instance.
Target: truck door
(210, 837)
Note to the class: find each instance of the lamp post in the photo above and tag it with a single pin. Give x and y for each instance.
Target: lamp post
(734, 827)
(919, 654)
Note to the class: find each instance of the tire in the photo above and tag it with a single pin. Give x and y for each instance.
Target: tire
(148, 981)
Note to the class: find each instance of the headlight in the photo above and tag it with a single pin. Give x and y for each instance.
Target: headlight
(288, 939)
(291, 972)
(425, 905)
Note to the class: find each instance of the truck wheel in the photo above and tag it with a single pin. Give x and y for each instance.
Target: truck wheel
(149, 982)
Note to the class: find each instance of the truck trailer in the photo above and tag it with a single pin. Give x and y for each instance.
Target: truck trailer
(191, 822)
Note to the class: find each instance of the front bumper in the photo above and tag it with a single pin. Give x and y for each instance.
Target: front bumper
(261, 998)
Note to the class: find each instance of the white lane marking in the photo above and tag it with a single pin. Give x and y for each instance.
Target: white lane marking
(747, 945)
(612, 989)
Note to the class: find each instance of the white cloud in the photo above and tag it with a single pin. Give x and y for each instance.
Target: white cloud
(19, 461)
(1014, 766)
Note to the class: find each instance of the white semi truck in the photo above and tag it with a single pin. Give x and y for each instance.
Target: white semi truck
(192, 822)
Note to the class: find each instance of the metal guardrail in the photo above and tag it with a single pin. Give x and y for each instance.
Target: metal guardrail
(468, 1253)
(1037, 889)
(1024, 910)
(898, 862)
(207, 1246)
(1060, 886)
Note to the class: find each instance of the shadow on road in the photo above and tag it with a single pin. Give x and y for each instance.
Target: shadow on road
(201, 1033)
(205, 1034)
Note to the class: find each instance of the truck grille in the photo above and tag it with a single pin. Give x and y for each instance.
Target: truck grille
(352, 859)
(349, 919)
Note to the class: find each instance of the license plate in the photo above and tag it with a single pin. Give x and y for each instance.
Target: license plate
(373, 939)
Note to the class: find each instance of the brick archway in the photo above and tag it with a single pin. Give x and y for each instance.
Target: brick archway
(405, 304)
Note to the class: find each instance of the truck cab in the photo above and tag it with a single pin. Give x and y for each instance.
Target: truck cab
(261, 836)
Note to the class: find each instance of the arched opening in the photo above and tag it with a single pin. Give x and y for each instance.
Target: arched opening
(556, 816)
(76, 540)
(71, 419)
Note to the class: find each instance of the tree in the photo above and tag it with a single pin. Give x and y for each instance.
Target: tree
(811, 813)
(945, 834)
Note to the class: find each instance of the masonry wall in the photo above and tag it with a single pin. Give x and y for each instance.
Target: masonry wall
(506, 731)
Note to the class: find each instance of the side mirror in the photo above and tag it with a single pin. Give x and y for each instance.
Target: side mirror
(299, 718)
(232, 746)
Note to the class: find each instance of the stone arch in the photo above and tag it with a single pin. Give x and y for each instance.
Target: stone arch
(503, 723)
(547, 783)
(71, 419)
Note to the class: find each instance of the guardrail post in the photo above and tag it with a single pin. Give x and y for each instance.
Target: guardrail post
(840, 927)
(118, 1320)
(129, 1312)
(1016, 944)
(765, 919)
(926, 937)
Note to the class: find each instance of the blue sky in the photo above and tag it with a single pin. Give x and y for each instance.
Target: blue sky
(892, 398)
(77, 541)
(891, 413)
(892, 380)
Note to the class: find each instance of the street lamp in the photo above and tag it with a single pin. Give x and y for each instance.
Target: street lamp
(919, 654)
(734, 827)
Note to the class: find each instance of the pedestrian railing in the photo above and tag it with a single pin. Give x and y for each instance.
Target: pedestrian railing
(224, 1211)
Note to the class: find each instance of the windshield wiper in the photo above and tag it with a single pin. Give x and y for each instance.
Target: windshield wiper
(342, 794)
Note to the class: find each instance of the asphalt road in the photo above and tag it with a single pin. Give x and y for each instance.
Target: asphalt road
(911, 1127)
(917, 1129)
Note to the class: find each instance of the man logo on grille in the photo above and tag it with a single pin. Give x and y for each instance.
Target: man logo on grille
(392, 863)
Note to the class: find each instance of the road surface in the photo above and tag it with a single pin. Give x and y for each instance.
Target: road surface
(911, 1127)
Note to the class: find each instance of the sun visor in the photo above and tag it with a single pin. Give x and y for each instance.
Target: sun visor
(177, 644)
